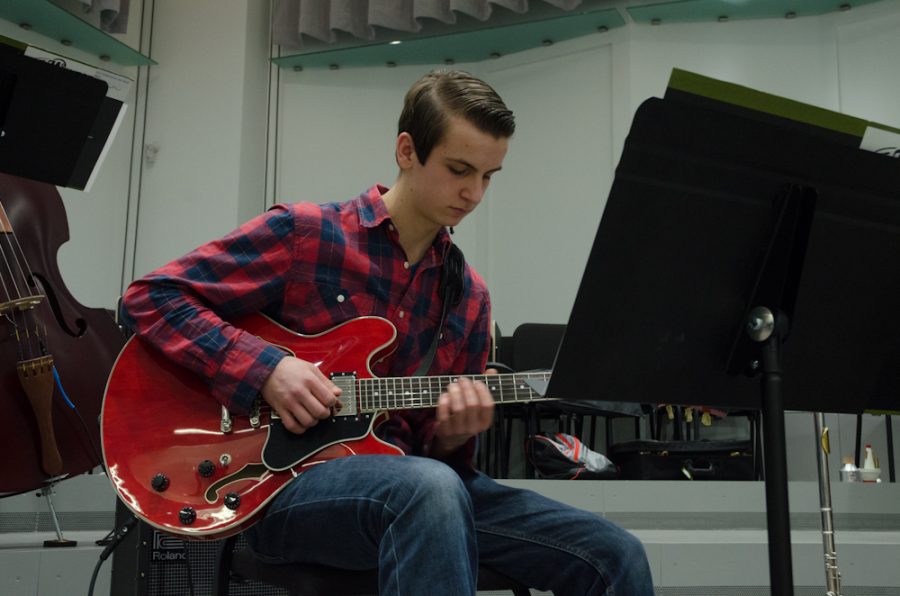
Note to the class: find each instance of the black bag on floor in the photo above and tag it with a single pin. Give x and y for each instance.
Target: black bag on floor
(684, 460)
(562, 456)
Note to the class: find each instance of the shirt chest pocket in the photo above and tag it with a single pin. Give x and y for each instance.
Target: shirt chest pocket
(321, 305)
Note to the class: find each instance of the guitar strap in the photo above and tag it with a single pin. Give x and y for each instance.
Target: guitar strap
(451, 290)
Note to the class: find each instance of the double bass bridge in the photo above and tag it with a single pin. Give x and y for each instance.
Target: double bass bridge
(20, 304)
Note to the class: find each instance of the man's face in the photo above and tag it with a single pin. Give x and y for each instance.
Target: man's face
(456, 175)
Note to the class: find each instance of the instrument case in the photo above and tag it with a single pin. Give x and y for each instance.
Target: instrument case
(684, 460)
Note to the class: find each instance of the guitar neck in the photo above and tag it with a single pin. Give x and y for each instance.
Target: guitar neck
(398, 393)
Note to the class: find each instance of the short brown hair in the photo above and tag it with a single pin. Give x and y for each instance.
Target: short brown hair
(443, 93)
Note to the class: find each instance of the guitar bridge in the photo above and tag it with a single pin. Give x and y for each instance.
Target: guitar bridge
(225, 424)
(254, 414)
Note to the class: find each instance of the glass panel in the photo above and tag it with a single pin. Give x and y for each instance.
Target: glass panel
(54, 22)
(470, 46)
(711, 10)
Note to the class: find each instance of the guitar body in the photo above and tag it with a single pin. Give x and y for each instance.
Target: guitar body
(173, 465)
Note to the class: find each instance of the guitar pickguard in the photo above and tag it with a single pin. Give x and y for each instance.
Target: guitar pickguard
(284, 449)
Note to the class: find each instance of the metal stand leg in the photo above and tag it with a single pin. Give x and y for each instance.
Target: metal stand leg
(47, 491)
(889, 431)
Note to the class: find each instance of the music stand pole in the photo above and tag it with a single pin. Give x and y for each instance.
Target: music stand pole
(775, 465)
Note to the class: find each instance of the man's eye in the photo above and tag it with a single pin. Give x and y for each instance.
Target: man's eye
(457, 171)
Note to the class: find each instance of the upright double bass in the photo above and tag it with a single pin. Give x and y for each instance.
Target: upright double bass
(55, 354)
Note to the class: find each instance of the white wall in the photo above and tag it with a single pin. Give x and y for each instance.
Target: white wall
(206, 114)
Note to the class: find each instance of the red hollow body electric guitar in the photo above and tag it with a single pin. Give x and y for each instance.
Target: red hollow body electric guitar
(186, 466)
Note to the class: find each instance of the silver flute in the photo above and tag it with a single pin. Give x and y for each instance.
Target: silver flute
(832, 575)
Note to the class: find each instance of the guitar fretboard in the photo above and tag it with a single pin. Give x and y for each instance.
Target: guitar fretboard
(393, 393)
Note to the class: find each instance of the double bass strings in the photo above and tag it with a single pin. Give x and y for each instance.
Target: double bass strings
(19, 303)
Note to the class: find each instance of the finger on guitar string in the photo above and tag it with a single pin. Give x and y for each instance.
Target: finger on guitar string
(465, 409)
(300, 394)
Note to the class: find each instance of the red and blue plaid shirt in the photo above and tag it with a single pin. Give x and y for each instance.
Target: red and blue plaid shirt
(311, 267)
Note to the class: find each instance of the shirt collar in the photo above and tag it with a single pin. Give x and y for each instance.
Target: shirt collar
(373, 213)
(371, 207)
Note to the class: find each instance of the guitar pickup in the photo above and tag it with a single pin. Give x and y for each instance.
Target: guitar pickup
(347, 403)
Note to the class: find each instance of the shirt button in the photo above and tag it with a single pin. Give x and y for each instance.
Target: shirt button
(400, 314)
(391, 227)
(406, 264)
(340, 297)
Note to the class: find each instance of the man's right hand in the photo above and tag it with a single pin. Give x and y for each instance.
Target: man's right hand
(299, 393)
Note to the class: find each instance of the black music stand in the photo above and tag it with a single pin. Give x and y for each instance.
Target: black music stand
(54, 122)
(736, 243)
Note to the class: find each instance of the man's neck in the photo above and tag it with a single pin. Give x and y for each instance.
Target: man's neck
(416, 234)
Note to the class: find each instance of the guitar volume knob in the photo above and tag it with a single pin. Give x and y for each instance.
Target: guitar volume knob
(187, 516)
(206, 468)
(160, 483)
(232, 501)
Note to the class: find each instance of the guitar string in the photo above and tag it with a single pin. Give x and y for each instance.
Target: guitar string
(382, 393)
(370, 399)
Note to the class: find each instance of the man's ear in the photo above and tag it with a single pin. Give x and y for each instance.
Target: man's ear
(406, 151)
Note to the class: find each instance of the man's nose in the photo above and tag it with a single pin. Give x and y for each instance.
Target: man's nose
(473, 192)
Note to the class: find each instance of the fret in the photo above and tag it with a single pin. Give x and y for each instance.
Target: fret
(407, 393)
(404, 392)
(432, 396)
(433, 393)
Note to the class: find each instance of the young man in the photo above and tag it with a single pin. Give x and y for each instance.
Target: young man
(424, 521)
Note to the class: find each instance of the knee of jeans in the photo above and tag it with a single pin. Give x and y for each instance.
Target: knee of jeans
(437, 485)
(630, 554)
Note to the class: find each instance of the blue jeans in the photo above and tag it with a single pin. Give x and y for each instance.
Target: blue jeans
(426, 527)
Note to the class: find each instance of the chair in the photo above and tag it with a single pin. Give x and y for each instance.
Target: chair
(304, 579)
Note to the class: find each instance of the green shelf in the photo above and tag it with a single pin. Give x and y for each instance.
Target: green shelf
(692, 11)
(468, 46)
(58, 24)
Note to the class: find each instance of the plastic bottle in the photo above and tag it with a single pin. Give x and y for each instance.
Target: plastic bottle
(870, 470)
(870, 463)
